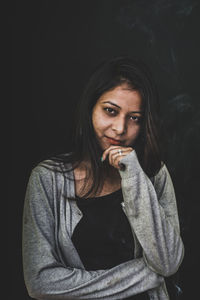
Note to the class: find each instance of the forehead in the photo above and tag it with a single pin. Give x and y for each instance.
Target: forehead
(122, 96)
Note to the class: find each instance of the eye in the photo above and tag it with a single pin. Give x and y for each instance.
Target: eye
(110, 111)
(135, 119)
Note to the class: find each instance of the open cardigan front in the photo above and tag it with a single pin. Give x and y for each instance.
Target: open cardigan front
(52, 266)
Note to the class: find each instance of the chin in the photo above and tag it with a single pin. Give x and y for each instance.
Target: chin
(103, 146)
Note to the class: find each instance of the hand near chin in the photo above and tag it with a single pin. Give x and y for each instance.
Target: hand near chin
(115, 154)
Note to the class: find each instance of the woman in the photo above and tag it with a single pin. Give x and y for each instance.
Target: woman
(101, 222)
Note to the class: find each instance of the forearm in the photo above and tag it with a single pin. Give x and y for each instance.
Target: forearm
(123, 281)
(156, 228)
(46, 274)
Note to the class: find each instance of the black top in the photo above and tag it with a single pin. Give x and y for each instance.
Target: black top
(103, 237)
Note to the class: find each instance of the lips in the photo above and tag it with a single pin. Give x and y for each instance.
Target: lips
(113, 141)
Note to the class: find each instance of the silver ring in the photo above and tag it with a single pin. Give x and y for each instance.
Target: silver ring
(120, 152)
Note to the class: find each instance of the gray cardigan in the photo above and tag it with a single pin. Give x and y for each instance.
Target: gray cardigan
(52, 266)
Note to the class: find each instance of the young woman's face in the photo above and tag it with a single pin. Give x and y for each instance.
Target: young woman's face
(116, 117)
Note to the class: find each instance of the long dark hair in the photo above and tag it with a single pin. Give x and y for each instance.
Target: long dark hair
(106, 76)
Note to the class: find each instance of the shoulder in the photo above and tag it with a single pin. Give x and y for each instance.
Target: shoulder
(53, 166)
(50, 177)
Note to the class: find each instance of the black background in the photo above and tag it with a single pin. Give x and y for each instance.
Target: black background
(55, 45)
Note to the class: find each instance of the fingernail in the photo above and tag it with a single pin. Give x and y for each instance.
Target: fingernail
(122, 167)
(102, 158)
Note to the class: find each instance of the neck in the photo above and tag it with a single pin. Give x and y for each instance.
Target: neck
(111, 180)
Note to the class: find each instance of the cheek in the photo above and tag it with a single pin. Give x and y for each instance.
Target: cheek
(95, 119)
(99, 122)
(134, 132)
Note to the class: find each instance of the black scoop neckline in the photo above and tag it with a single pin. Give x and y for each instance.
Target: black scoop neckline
(101, 197)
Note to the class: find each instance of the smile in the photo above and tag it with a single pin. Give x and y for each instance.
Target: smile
(113, 141)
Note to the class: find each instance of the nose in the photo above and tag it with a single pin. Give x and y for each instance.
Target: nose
(119, 125)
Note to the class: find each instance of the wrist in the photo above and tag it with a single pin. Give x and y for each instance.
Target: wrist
(130, 165)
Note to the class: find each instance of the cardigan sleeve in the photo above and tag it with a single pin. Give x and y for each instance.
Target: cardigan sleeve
(152, 213)
(47, 277)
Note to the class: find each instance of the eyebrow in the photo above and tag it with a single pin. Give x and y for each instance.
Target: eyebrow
(139, 112)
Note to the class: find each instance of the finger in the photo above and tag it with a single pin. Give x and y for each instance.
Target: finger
(116, 161)
(116, 155)
(115, 148)
(112, 151)
(107, 151)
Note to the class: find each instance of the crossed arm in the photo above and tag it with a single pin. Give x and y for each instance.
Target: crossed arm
(46, 277)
